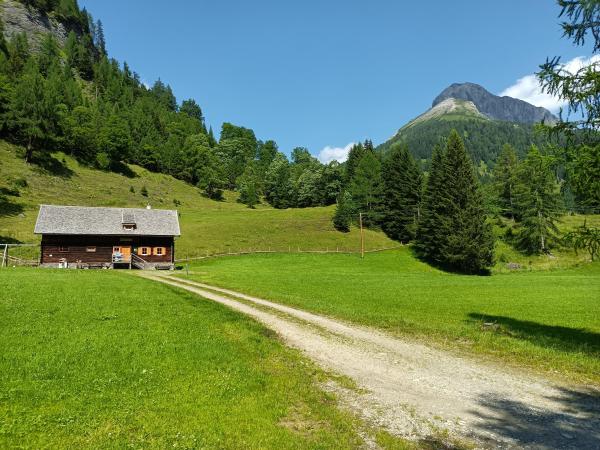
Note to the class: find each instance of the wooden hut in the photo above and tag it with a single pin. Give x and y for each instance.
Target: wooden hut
(88, 237)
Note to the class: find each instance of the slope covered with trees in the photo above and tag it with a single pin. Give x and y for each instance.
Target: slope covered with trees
(483, 138)
(75, 99)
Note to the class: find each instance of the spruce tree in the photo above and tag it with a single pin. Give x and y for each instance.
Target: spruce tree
(538, 202)
(344, 212)
(454, 232)
(432, 213)
(30, 113)
(100, 40)
(354, 155)
(402, 185)
(366, 189)
(505, 180)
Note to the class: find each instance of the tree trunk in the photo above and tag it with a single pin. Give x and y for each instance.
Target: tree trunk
(542, 237)
(28, 151)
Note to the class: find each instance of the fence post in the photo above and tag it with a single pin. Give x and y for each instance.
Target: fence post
(5, 256)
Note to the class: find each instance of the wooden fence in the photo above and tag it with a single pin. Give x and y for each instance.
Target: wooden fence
(19, 255)
(208, 254)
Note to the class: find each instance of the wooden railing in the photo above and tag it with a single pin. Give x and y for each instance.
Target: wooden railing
(138, 262)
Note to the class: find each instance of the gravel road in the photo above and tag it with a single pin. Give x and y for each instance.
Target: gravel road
(417, 392)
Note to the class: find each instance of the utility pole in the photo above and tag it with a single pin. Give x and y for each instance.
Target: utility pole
(362, 237)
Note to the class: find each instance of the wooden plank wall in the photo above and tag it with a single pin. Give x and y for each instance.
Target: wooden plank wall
(77, 245)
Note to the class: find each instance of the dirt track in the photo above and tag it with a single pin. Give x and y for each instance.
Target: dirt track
(414, 391)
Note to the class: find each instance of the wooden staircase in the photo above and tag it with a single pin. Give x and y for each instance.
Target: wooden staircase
(138, 262)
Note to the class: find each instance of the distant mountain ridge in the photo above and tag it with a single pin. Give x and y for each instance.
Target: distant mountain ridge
(485, 122)
(495, 107)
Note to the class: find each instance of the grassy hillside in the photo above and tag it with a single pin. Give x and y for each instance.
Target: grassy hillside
(206, 225)
(545, 320)
(149, 366)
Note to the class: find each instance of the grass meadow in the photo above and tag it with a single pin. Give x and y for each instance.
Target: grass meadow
(102, 359)
(547, 321)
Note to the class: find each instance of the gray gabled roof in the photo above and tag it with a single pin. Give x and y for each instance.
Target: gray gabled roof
(85, 220)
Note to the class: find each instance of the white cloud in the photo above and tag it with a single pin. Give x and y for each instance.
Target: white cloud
(528, 88)
(339, 154)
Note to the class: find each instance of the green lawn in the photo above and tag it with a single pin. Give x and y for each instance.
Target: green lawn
(545, 320)
(101, 359)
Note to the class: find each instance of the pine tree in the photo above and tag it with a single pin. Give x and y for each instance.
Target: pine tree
(402, 186)
(344, 212)
(19, 53)
(432, 212)
(30, 114)
(505, 179)
(454, 232)
(366, 188)
(70, 50)
(354, 155)
(538, 201)
(49, 54)
(277, 182)
(100, 40)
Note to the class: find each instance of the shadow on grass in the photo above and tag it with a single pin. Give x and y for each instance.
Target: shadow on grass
(9, 208)
(49, 164)
(563, 338)
(447, 267)
(571, 420)
(122, 169)
(9, 240)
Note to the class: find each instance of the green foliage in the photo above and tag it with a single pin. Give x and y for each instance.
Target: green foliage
(366, 188)
(32, 116)
(579, 88)
(538, 201)
(453, 232)
(344, 212)
(249, 187)
(402, 186)
(584, 238)
(583, 172)
(505, 180)
(144, 191)
(277, 182)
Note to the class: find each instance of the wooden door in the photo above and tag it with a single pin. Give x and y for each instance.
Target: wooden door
(126, 251)
(125, 254)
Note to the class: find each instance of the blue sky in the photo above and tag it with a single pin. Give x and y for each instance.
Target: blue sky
(327, 73)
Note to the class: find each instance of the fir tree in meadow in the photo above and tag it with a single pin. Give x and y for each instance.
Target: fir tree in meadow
(402, 186)
(432, 211)
(354, 155)
(344, 212)
(454, 232)
(505, 180)
(366, 189)
(538, 202)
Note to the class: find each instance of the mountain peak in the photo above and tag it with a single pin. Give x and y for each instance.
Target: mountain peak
(500, 108)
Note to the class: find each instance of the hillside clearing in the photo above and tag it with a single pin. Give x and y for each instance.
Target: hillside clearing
(415, 391)
(548, 321)
(206, 225)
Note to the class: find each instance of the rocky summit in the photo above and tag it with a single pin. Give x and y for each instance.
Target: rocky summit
(495, 107)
